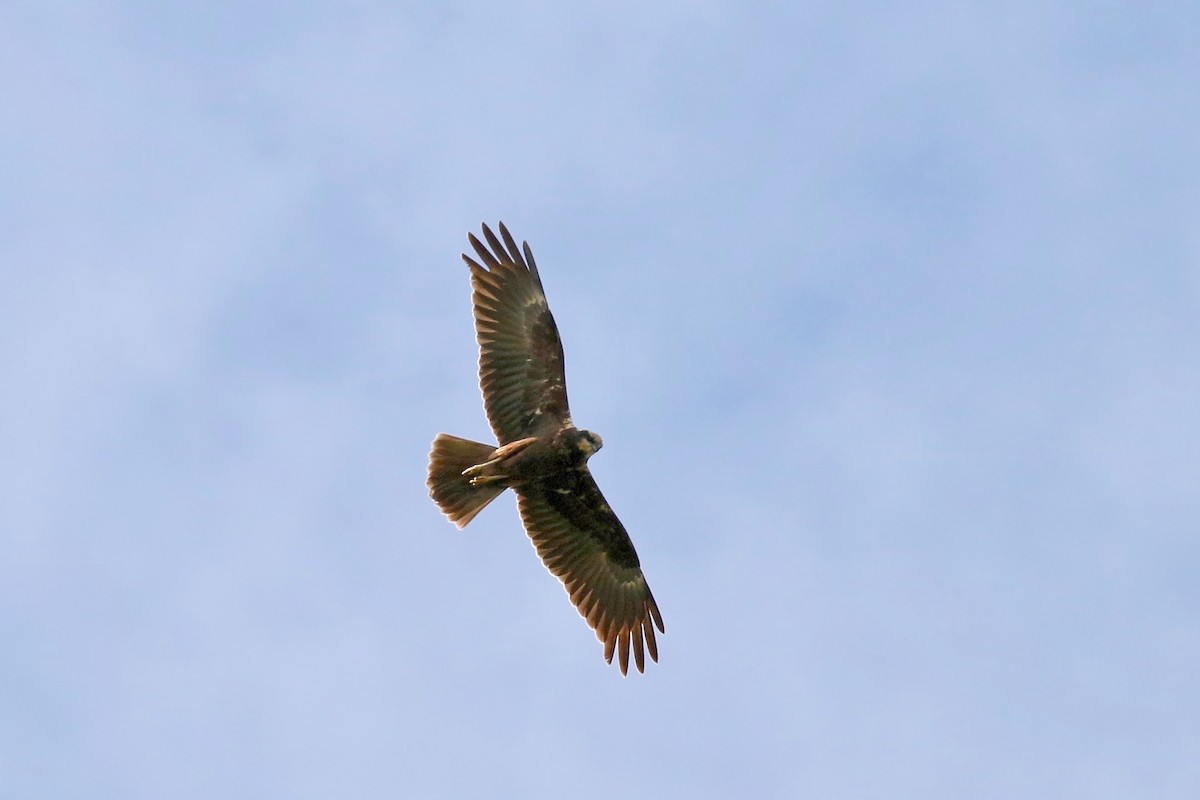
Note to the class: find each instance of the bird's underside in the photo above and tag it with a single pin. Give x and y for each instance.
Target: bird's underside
(542, 456)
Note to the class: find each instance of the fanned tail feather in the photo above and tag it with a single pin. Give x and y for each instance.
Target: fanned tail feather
(449, 488)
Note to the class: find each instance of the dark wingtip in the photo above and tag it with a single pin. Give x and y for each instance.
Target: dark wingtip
(510, 244)
(485, 255)
(500, 248)
(623, 642)
(639, 651)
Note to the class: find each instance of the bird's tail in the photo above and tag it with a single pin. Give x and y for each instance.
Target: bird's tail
(449, 488)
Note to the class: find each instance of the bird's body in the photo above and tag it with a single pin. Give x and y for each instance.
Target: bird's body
(541, 455)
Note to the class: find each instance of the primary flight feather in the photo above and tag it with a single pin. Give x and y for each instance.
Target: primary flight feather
(541, 455)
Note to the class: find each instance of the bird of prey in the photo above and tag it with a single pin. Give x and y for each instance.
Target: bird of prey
(541, 455)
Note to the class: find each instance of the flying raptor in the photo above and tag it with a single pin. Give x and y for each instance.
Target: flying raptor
(541, 455)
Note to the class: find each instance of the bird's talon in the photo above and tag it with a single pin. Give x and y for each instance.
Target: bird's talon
(481, 480)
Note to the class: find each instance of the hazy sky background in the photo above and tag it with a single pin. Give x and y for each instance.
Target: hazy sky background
(889, 316)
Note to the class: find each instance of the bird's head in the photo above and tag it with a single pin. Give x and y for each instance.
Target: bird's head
(589, 443)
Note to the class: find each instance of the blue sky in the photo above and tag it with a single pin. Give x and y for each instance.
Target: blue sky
(889, 317)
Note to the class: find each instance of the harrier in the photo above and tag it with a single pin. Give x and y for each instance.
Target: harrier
(541, 455)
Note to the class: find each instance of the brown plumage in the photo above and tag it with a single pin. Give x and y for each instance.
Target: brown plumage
(541, 455)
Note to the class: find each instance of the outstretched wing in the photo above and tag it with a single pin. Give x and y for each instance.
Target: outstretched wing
(520, 355)
(584, 545)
